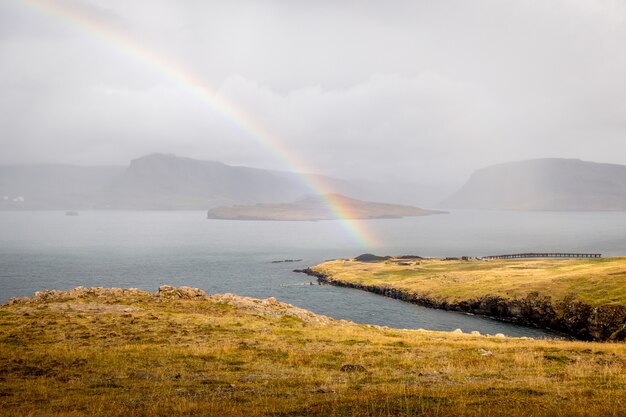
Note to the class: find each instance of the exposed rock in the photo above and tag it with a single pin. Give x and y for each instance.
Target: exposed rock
(602, 319)
(167, 291)
(115, 300)
(80, 293)
(484, 352)
(286, 261)
(271, 307)
(574, 314)
(352, 368)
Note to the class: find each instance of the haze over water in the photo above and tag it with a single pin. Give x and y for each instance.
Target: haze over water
(45, 250)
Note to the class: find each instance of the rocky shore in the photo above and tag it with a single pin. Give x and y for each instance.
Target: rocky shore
(101, 299)
(568, 315)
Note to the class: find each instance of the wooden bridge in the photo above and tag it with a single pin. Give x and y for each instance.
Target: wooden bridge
(545, 255)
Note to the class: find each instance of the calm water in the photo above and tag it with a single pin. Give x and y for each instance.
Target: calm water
(42, 250)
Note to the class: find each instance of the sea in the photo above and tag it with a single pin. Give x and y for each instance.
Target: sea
(145, 249)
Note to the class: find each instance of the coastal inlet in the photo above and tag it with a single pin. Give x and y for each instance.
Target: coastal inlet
(581, 296)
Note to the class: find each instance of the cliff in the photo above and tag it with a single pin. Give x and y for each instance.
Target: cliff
(582, 298)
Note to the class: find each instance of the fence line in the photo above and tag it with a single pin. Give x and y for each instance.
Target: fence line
(545, 255)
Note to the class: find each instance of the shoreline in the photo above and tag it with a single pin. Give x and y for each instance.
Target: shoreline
(535, 310)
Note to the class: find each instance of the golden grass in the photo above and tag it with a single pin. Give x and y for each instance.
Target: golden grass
(592, 281)
(156, 357)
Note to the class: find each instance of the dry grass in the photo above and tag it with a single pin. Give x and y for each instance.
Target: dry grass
(151, 356)
(592, 281)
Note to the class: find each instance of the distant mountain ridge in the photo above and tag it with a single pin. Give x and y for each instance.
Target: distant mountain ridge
(544, 184)
(169, 182)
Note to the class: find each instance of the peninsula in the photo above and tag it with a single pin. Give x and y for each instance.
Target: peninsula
(584, 298)
(120, 352)
(323, 207)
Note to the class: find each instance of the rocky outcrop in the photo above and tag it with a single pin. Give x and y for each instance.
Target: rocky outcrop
(80, 293)
(99, 299)
(271, 307)
(569, 315)
(110, 294)
(167, 291)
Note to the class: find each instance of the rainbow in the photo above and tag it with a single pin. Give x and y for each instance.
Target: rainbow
(196, 85)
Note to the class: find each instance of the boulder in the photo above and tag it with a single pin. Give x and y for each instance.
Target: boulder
(168, 291)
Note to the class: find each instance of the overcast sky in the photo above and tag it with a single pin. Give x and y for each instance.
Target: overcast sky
(420, 90)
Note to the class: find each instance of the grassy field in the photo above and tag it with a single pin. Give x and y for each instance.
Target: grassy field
(131, 353)
(593, 281)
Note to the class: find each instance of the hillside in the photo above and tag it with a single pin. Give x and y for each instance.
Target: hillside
(168, 182)
(156, 181)
(544, 184)
(120, 352)
(585, 298)
(318, 208)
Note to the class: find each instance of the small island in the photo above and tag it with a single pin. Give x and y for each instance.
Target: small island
(324, 207)
(584, 298)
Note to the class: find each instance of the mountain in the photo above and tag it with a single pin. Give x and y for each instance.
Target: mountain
(324, 207)
(168, 182)
(544, 184)
(161, 181)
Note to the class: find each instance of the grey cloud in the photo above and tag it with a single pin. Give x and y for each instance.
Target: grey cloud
(404, 89)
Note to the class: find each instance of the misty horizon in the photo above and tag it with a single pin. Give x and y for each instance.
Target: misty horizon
(419, 91)
(455, 182)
